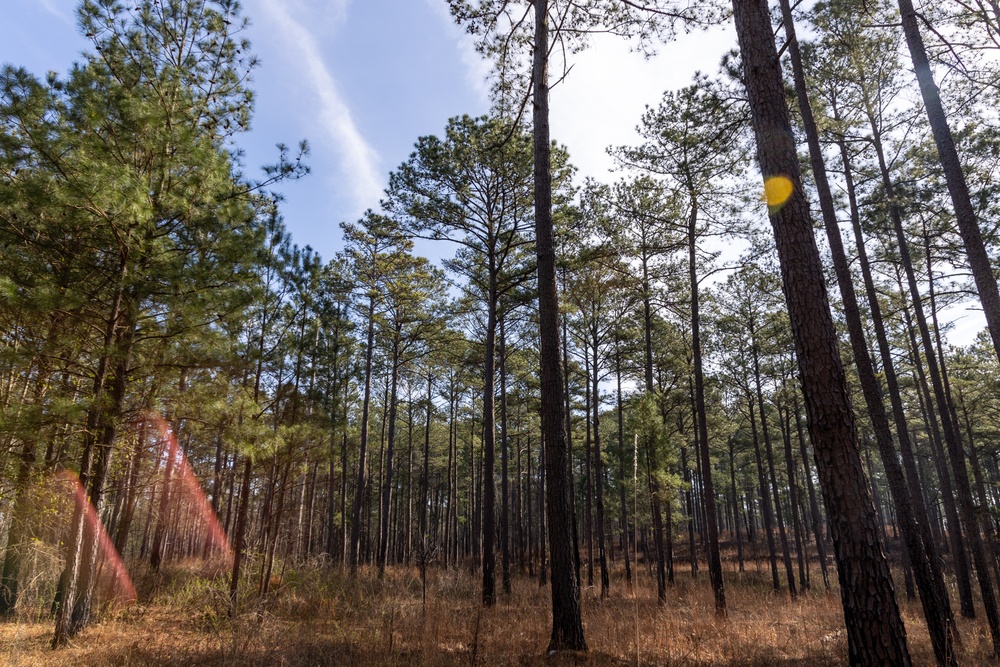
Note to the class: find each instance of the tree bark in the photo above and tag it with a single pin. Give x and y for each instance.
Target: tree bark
(933, 594)
(567, 624)
(875, 631)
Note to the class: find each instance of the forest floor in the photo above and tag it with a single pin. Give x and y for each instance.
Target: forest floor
(321, 616)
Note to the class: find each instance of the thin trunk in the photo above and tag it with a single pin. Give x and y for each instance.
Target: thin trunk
(361, 486)
(390, 452)
(707, 486)
(965, 213)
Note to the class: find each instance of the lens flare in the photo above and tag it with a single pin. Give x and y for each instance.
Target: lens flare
(777, 190)
(188, 501)
(112, 576)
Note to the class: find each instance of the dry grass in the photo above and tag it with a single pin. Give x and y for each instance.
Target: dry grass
(320, 616)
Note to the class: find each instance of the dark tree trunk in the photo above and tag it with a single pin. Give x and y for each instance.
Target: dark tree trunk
(933, 594)
(361, 485)
(68, 583)
(599, 469)
(965, 214)
(875, 630)
(621, 467)
(736, 503)
(567, 624)
(504, 466)
(963, 488)
(654, 499)
(765, 500)
(708, 489)
(239, 541)
(902, 430)
(793, 496)
(772, 479)
(131, 491)
(387, 477)
(111, 417)
(489, 448)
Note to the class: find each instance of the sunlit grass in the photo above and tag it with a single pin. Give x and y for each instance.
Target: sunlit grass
(321, 616)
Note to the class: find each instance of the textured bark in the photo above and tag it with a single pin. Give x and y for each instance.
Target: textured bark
(963, 490)
(895, 397)
(921, 558)
(567, 623)
(875, 631)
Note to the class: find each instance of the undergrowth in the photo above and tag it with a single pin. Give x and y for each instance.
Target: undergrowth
(317, 615)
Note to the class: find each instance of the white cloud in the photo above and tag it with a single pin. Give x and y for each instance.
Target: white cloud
(477, 69)
(53, 7)
(600, 102)
(358, 161)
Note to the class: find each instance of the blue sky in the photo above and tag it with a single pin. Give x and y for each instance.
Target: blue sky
(362, 79)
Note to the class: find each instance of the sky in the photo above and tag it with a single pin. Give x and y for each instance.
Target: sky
(361, 80)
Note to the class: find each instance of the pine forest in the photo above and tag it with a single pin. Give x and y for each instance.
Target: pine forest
(736, 402)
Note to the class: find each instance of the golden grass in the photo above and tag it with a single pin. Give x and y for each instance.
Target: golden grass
(320, 616)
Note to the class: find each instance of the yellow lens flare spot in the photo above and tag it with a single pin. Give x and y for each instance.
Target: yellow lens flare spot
(777, 190)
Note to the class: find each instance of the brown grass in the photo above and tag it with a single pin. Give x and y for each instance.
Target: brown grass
(320, 616)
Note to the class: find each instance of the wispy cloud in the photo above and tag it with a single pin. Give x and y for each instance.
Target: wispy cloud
(358, 161)
(477, 68)
(52, 7)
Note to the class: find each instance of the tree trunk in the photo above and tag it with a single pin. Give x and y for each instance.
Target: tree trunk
(621, 467)
(489, 512)
(504, 467)
(361, 486)
(387, 477)
(599, 470)
(875, 630)
(708, 489)
(933, 594)
(567, 624)
(895, 398)
(765, 500)
(965, 214)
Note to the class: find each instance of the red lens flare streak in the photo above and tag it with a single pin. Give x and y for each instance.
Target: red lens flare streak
(117, 581)
(196, 503)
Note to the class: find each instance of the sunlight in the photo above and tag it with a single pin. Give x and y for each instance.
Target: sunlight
(190, 499)
(112, 575)
(777, 190)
